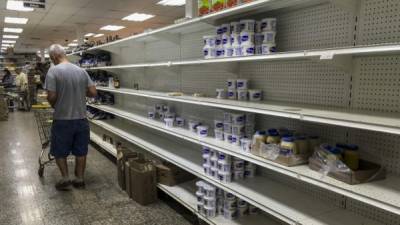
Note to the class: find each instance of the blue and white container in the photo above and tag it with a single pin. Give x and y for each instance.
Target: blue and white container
(248, 49)
(246, 38)
(202, 131)
(180, 122)
(232, 94)
(242, 84)
(267, 49)
(248, 25)
(209, 40)
(232, 83)
(209, 52)
(255, 95)
(268, 24)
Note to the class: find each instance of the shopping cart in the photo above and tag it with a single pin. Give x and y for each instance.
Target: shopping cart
(44, 120)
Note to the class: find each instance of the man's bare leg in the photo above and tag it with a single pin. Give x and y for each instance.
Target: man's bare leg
(63, 166)
(80, 166)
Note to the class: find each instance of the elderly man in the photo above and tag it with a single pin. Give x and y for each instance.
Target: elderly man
(67, 86)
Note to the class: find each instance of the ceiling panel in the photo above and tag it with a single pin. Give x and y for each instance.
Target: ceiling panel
(61, 18)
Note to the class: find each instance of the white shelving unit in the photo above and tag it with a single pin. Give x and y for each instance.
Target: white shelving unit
(382, 122)
(185, 194)
(286, 204)
(104, 145)
(204, 22)
(322, 54)
(336, 74)
(378, 193)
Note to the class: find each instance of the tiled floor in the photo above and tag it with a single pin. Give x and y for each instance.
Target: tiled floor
(27, 200)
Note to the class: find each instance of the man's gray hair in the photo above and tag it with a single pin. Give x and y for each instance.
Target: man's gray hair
(57, 50)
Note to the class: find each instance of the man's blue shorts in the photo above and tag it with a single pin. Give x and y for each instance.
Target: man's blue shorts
(69, 136)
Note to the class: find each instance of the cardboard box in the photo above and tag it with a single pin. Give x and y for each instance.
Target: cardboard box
(170, 175)
(367, 172)
(123, 155)
(143, 181)
(127, 179)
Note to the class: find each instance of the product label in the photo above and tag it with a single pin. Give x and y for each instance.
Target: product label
(203, 132)
(240, 84)
(225, 40)
(245, 37)
(264, 25)
(231, 94)
(250, 50)
(219, 125)
(257, 95)
(206, 52)
(218, 41)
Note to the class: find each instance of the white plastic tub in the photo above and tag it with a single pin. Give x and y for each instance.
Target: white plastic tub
(202, 131)
(236, 139)
(255, 95)
(169, 122)
(225, 177)
(242, 95)
(238, 119)
(219, 134)
(180, 122)
(245, 144)
(228, 127)
(221, 93)
(193, 124)
(268, 24)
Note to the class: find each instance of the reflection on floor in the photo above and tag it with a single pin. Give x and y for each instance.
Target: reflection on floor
(26, 199)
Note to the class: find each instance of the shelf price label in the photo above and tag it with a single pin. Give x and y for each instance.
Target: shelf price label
(327, 56)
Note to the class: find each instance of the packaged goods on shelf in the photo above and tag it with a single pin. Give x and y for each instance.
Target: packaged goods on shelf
(102, 98)
(238, 89)
(246, 37)
(100, 78)
(281, 147)
(170, 175)
(212, 201)
(211, 6)
(224, 167)
(96, 114)
(89, 60)
(338, 161)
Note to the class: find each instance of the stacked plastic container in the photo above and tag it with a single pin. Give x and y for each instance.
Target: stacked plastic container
(212, 201)
(226, 168)
(234, 127)
(244, 38)
(238, 89)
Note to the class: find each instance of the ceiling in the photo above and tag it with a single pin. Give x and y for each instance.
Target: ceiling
(62, 18)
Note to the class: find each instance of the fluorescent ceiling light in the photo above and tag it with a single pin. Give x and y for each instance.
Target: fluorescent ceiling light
(7, 45)
(89, 34)
(8, 41)
(98, 35)
(138, 17)
(10, 36)
(15, 20)
(18, 6)
(46, 55)
(12, 30)
(112, 27)
(73, 44)
(172, 2)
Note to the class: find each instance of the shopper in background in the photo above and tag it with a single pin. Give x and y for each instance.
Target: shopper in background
(21, 81)
(67, 86)
(8, 79)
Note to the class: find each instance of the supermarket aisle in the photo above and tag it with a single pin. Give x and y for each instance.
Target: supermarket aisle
(28, 200)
